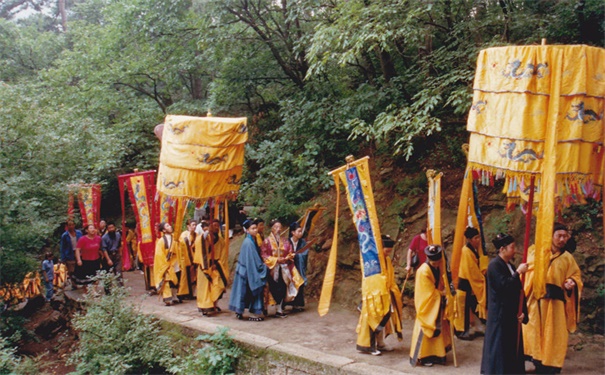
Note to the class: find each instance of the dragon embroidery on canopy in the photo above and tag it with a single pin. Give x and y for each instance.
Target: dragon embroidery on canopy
(525, 156)
(582, 114)
(512, 70)
(177, 129)
(232, 180)
(206, 159)
(172, 184)
(479, 106)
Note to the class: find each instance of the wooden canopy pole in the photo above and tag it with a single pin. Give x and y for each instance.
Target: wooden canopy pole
(528, 215)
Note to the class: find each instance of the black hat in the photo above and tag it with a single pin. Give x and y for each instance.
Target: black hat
(162, 226)
(433, 252)
(387, 241)
(471, 232)
(258, 220)
(502, 240)
(294, 226)
(246, 224)
(558, 226)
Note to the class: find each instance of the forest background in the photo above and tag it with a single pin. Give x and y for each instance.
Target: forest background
(84, 82)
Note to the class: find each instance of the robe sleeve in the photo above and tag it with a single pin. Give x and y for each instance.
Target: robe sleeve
(267, 254)
(471, 271)
(427, 300)
(572, 298)
(256, 270)
(501, 280)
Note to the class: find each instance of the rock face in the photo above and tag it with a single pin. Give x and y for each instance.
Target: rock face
(52, 325)
(402, 214)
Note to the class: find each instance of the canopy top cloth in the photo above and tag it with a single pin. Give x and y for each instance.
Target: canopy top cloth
(538, 111)
(532, 103)
(201, 157)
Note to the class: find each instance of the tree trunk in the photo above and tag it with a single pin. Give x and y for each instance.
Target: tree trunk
(63, 15)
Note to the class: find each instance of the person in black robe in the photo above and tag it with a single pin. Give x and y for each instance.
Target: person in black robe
(503, 344)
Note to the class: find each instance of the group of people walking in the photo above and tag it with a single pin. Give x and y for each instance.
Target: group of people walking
(518, 328)
(271, 271)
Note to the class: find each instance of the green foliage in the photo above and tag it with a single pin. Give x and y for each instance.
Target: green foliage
(318, 80)
(8, 361)
(586, 217)
(117, 339)
(12, 328)
(218, 356)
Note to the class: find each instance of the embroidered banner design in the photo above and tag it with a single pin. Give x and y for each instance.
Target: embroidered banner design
(361, 217)
(89, 202)
(141, 191)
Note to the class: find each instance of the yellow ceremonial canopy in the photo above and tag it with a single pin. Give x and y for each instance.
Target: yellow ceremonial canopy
(537, 104)
(538, 111)
(201, 158)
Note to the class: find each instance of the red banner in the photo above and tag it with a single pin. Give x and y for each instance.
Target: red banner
(141, 191)
(89, 201)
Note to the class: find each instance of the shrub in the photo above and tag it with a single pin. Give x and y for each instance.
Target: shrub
(8, 361)
(218, 356)
(115, 338)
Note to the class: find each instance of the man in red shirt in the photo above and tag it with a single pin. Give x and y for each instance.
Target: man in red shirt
(416, 250)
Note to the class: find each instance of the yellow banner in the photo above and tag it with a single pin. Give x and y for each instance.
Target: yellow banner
(433, 228)
(355, 176)
(142, 205)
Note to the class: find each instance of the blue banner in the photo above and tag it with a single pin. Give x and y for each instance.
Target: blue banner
(365, 234)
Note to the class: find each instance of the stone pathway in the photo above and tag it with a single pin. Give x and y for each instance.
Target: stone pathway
(328, 343)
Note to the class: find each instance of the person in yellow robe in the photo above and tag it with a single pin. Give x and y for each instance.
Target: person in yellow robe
(185, 257)
(165, 265)
(431, 335)
(211, 265)
(557, 313)
(393, 326)
(470, 292)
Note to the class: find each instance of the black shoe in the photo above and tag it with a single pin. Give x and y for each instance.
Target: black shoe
(280, 315)
(465, 336)
(239, 316)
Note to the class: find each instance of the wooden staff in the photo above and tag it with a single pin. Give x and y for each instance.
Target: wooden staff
(530, 202)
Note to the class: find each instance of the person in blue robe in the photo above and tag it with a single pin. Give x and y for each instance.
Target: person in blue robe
(250, 278)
